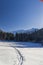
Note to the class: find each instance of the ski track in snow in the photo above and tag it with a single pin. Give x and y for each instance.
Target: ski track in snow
(17, 60)
(20, 57)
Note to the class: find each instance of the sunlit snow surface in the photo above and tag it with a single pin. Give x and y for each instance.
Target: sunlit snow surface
(9, 55)
(21, 53)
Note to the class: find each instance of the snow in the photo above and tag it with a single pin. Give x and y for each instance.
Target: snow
(12, 55)
(25, 31)
(32, 56)
(9, 55)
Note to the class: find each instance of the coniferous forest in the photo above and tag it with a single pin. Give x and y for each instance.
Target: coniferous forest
(36, 36)
(6, 36)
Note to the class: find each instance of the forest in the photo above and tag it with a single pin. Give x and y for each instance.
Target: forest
(6, 35)
(36, 36)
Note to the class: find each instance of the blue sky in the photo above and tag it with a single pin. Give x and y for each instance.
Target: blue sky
(20, 14)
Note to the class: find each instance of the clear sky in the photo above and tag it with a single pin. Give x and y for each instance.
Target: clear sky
(20, 14)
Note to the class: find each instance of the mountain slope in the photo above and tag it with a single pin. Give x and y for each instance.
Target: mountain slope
(25, 31)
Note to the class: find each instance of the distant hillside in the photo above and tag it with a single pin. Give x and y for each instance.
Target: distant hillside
(18, 31)
(25, 31)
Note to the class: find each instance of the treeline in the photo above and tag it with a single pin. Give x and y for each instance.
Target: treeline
(6, 36)
(36, 36)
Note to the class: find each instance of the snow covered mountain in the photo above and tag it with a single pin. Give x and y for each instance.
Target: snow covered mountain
(25, 31)
(18, 31)
(31, 30)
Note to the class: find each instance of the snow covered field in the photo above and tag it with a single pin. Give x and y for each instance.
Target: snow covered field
(11, 55)
(32, 56)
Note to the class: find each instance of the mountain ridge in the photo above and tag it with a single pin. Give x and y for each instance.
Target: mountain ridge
(25, 31)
